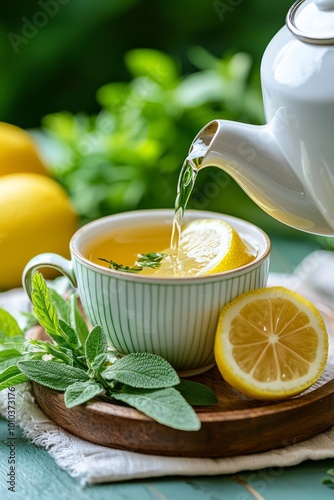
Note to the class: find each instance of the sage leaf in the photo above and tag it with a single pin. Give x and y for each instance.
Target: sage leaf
(9, 328)
(77, 321)
(11, 376)
(9, 357)
(9, 354)
(35, 346)
(97, 365)
(62, 307)
(166, 406)
(57, 376)
(71, 336)
(196, 394)
(142, 370)
(43, 307)
(96, 343)
(81, 392)
(65, 355)
(32, 347)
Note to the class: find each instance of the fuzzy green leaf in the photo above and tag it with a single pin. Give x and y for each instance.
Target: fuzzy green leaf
(71, 336)
(65, 355)
(81, 392)
(9, 354)
(62, 307)
(43, 306)
(196, 394)
(96, 343)
(166, 406)
(97, 365)
(9, 328)
(11, 376)
(35, 347)
(9, 357)
(142, 370)
(77, 321)
(57, 376)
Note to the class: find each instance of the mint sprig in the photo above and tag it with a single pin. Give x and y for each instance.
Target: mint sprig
(79, 363)
(150, 259)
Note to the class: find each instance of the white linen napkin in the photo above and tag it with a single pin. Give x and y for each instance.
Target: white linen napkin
(98, 464)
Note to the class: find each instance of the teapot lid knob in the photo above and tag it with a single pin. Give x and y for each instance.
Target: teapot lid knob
(324, 4)
(312, 21)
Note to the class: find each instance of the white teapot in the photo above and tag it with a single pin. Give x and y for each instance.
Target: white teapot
(287, 166)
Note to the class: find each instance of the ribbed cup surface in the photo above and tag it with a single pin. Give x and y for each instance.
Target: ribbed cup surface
(176, 320)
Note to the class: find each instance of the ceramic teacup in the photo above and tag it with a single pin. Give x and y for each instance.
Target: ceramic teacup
(175, 318)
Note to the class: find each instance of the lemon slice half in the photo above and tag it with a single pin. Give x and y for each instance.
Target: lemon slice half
(271, 343)
(207, 246)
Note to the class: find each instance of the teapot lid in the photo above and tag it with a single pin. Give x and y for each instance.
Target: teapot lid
(312, 21)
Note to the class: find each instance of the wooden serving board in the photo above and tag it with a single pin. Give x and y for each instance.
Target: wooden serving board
(236, 425)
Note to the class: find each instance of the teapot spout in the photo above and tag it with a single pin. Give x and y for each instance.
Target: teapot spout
(252, 157)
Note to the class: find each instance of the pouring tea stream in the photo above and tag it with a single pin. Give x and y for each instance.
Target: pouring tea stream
(287, 165)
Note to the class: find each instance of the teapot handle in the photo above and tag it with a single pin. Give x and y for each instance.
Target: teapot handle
(52, 260)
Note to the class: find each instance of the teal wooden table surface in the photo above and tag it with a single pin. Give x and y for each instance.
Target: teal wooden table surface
(38, 477)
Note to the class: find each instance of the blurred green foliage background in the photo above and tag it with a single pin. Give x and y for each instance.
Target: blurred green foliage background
(116, 90)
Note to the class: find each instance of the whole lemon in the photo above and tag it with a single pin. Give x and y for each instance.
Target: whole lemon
(36, 216)
(18, 151)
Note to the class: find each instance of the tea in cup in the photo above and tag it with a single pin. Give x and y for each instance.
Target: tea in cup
(174, 317)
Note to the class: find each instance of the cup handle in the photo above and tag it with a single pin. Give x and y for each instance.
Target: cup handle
(47, 260)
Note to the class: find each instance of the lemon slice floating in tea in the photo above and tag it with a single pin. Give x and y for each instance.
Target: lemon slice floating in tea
(207, 246)
(271, 343)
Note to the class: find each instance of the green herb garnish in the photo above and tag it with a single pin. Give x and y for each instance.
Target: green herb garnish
(79, 363)
(329, 480)
(150, 259)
